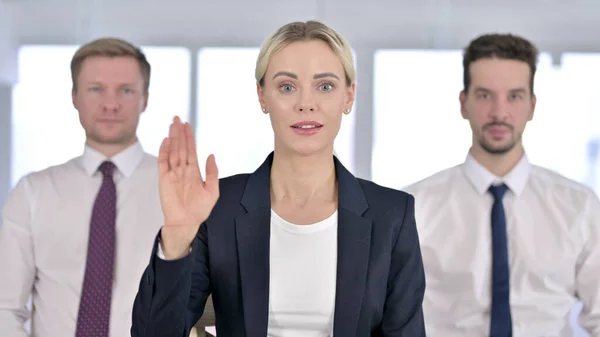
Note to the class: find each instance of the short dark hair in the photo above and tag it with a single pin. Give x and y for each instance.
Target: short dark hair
(501, 46)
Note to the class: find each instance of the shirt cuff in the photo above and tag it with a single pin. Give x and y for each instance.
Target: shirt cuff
(161, 254)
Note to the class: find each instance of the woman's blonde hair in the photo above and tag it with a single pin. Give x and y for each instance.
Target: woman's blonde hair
(305, 31)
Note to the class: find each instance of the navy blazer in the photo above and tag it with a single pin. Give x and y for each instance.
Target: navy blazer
(380, 278)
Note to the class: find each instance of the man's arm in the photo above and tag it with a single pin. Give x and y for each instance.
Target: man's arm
(588, 269)
(17, 263)
(172, 294)
(403, 311)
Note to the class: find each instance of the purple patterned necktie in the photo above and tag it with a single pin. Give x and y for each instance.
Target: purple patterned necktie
(94, 307)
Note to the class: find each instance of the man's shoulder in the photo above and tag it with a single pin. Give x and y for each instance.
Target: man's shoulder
(433, 182)
(559, 184)
(46, 174)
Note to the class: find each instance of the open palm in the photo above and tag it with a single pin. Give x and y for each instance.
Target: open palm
(186, 198)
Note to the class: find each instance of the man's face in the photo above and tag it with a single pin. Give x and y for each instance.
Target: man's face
(110, 97)
(498, 104)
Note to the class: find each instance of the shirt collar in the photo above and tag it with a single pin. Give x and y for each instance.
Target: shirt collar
(481, 179)
(126, 161)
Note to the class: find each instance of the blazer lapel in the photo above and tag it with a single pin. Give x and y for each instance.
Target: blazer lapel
(253, 242)
(354, 243)
(253, 235)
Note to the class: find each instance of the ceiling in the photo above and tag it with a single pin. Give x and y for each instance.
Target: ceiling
(553, 24)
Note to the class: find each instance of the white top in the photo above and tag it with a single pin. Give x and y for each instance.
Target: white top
(553, 227)
(303, 264)
(44, 238)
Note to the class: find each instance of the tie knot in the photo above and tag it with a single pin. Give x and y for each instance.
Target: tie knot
(498, 191)
(107, 168)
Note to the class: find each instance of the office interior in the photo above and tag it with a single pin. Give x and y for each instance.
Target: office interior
(406, 122)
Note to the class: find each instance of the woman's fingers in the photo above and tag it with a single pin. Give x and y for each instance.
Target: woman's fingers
(163, 157)
(182, 139)
(178, 152)
(174, 145)
(212, 174)
(192, 156)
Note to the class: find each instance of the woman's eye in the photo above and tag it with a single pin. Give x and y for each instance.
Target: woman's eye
(326, 87)
(287, 88)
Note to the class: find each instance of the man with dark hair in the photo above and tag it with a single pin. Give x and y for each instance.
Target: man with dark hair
(508, 247)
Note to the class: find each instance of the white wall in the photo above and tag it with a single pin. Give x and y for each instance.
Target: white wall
(8, 76)
(8, 44)
(554, 25)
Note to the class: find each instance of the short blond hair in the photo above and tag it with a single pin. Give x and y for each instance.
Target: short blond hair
(109, 47)
(305, 31)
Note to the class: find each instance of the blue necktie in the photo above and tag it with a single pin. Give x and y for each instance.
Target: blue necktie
(501, 324)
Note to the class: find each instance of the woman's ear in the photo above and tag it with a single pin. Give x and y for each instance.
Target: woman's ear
(261, 95)
(351, 95)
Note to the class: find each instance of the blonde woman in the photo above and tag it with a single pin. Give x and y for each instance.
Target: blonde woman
(300, 247)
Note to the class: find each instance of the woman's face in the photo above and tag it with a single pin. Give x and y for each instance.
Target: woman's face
(305, 94)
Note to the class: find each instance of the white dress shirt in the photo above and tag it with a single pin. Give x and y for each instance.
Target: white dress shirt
(44, 238)
(553, 227)
(303, 266)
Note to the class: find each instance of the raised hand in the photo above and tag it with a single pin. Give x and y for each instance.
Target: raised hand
(186, 198)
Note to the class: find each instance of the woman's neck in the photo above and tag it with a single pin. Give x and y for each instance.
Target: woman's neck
(299, 179)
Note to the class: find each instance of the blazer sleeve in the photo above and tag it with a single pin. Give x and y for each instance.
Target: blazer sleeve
(403, 312)
(172, 294)
(17, 261)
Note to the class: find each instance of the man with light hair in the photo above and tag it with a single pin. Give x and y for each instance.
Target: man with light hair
(76, 237)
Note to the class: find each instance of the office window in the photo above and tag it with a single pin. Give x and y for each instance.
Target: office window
(46, 129)
(418, 129)
(577, 116)
(230, 122)
(537, 137)
(170, 92)
(564, 134)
